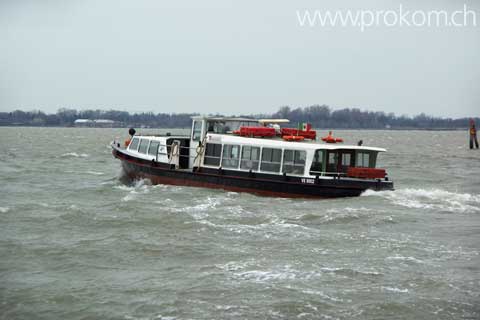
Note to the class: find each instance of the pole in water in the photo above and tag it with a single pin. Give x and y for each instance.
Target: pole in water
(473, 134)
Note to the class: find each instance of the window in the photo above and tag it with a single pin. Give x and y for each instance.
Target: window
(363, 159)
(271, 159)
(143, 146)
(212, 154)
(153, 149)
(134, 144)
(317, 163)
(197, 130)
(347, 157)
(230, 156)
(250, 157)
(294, 161)
(332, 162)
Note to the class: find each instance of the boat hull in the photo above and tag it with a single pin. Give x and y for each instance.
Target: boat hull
(240, 181)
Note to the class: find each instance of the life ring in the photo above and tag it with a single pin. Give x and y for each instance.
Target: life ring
(332, 140)
(293, 138)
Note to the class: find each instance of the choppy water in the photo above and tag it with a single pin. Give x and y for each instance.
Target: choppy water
(76, 243)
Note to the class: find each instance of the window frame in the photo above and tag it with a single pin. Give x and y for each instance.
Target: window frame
(206, 157)
(131, 144)
(257, 161)
(140, 144)
(150, 146)
(271, 162)
(322, 153)
(195, 130)
(293, 162)
(361, 155)
(230, 148)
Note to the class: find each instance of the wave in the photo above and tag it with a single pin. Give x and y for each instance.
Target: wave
(137, 187)
(95, 173)
(394, 289)
(74, 155)
(434, 199)
(405, 259)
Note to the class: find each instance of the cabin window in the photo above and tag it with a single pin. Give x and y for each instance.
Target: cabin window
(212, 154)
(363, 159)
(294, 161)
(197, 130)
(230, 156)
(271, 159)
(143, 146)
(317, 163)
(134, 144)
(347, 157)
(332, 162)
(153, 149)
(250, 158)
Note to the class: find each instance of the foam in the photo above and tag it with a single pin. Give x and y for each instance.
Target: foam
(433, 199)
(139, 187)
(4, 209)
(407, 259)
(74, 155)
(95, 173)
(394, 289)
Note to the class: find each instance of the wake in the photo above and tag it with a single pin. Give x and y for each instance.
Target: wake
(433, 199)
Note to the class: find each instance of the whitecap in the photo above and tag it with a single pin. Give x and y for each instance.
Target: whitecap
(74, 155)
(402, 258)
(4, 209)
(95, 173)
(394, 289)
(285, 273)
(434, 199)
(141, 186)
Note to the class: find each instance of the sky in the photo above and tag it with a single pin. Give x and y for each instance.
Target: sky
(233, 57)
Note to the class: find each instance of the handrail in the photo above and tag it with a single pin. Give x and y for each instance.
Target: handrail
(323, 173)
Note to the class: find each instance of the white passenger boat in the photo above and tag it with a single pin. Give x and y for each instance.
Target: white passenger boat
(257, 156)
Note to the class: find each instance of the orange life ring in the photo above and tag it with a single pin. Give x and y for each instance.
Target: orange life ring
(293, 138)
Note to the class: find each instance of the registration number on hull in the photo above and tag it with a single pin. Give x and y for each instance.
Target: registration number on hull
(309, 181)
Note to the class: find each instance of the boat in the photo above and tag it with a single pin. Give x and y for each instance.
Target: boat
(249, 155)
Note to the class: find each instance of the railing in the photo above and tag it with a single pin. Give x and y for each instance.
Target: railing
(328, 173)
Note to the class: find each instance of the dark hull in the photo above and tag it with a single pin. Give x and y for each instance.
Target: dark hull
(262, 184)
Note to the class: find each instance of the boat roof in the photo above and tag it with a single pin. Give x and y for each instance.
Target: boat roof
(278, 142)
(218, 118)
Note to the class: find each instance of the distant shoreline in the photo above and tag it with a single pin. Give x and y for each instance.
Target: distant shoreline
(187, 128)
(319, 116)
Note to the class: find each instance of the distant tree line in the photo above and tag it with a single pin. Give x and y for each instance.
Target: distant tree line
(319, 116)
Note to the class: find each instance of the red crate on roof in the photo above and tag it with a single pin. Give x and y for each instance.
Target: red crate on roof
(257, 132)
(310, 134)
(366, 173)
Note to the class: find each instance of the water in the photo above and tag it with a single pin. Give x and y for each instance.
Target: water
(76, 243)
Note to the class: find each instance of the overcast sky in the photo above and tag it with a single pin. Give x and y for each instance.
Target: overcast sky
(232, 57)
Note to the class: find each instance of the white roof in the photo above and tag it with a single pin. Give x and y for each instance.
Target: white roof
(217, 118)
(268, 142)
(83, 121)
(273, 121)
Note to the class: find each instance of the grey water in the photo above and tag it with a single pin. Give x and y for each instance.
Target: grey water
(78, 243)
